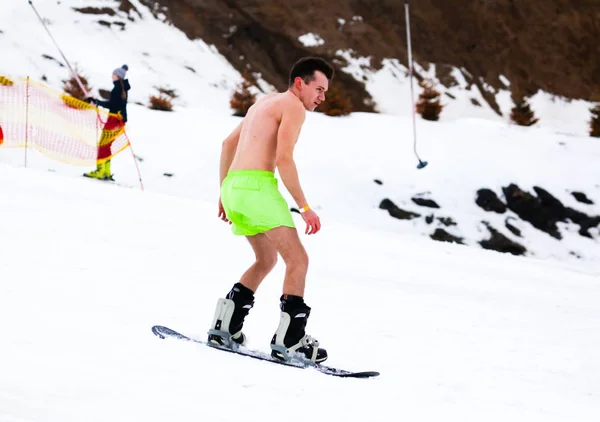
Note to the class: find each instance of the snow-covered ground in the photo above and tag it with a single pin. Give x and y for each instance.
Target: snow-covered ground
(340, 158)
(457, 332)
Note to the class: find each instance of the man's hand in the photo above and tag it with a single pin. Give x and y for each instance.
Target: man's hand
(313, 223)
(222, 214)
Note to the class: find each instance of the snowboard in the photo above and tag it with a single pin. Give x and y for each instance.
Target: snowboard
(164, 332)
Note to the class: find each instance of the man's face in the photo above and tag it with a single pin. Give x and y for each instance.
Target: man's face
(313, 93)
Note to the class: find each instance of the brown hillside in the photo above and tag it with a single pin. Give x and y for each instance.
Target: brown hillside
(550, 45)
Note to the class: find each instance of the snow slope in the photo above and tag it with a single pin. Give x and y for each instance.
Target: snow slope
(457, 333)
(339, 159)
(468, 149)
(158, 55)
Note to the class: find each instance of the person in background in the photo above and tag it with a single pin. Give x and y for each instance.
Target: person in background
(115, 125)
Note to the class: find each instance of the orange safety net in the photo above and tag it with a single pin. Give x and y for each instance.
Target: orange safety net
(32, 115)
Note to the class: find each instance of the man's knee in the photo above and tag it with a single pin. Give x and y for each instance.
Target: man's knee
(300, 259)
(267, 262)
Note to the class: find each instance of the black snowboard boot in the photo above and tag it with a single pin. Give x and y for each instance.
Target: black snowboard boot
(290, 337)
(226, 328)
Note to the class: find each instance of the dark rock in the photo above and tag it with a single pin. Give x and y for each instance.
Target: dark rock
(584, 221)
(425, 202)
(379, 182)
(545, 211)
(530, 208)
(442, 235)
(581, 197)
(512, 228)
(48, 57)
(396, 212)
(489, 201)
(128, 8)
(95, 11)
(447, 221)
(499, 242)
(549, 201)
(168, 174)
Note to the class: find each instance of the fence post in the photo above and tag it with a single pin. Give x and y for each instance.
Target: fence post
(26, 120)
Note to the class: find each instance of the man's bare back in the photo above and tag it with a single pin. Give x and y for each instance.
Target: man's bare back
(251, 201)
(266, 138)
(257, 147)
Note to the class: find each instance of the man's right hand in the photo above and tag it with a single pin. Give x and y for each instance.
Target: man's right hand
(222, 214)
(313, 223)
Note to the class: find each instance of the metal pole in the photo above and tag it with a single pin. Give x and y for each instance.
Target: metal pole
(134, 160)
(26, 120)
(412, 95)
(59, 50)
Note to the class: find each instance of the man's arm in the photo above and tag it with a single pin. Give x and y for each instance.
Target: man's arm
(287, 135)
(228, 151)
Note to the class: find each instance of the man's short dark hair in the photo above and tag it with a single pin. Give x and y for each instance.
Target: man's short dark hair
(305, 68)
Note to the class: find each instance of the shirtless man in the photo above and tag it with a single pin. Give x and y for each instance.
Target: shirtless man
(251, 202)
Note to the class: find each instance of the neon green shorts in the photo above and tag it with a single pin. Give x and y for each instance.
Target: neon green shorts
(253, 203)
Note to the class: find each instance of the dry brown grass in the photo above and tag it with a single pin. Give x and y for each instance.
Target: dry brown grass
(242, 99)
(71, 86)
(521, 114)
(428, 104)
(160, 102)
(337, 102)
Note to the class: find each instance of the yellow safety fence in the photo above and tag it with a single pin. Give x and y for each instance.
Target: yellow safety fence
(33, 115)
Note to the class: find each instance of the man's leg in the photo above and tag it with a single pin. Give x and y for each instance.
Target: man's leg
(287, 243)
(290, 336)
(233, 309)
(266, 258)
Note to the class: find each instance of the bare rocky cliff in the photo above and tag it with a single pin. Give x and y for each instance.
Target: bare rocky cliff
(550, 45)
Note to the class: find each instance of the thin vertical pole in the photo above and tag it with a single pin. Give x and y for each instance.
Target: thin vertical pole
(26, 120)
(134, 160)
(412, 94)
